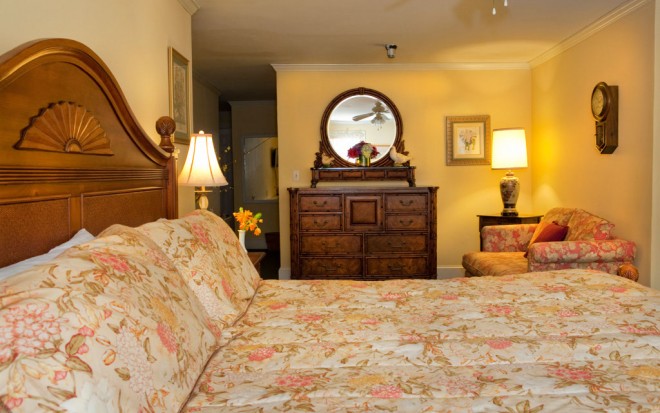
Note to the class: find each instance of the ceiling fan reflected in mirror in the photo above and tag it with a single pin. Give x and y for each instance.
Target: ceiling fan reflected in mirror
(378, 112)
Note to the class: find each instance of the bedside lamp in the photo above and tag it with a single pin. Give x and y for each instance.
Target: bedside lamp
(201, 167)
(509, 152)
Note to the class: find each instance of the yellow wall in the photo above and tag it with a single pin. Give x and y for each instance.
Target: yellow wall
(424, 99)
(132, 38)
(567, 170)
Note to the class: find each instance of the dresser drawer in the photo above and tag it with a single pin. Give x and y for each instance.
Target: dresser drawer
(396, 243)
(320, 222)
(320, 203)
(406, 202)
(329, 267)
(331, 244)
(397, 266)
(406, 222)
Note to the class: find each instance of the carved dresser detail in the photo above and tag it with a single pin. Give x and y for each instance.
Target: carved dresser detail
(363, 233)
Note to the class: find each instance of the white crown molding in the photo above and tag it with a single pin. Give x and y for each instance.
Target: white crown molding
(589, 31)
(387, 67)
(190, 6)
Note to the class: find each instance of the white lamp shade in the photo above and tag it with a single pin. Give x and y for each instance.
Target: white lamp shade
(509, 149)
(201, 167)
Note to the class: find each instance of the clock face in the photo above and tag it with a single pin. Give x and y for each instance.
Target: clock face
(599, 102)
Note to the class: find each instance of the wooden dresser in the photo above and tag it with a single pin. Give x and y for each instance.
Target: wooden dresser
(363, 233)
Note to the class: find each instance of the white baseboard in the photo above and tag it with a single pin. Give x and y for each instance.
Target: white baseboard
(450, 272)
(284, 273)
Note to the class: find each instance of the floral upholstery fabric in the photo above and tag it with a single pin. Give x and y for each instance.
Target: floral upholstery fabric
(210, 259)
(565, 341)
(596, 249)
(507, 238)
(107, 326)
(585, 226)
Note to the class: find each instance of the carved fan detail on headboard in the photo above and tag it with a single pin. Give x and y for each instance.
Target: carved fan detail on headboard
(65, 127)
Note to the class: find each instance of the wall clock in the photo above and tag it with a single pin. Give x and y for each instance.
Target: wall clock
(605, 109)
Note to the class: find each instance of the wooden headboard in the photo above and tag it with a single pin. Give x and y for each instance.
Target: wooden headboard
(72, 154)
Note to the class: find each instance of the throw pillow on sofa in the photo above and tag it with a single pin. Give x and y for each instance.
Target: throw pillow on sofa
(550, 232)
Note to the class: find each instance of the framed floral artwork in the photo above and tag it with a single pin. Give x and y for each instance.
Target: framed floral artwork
(180, 98)
(468, 140)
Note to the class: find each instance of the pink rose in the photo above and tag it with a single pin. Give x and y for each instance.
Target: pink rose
(86, 331)
(387, 391)
(82, 349)
(499, 344)
(565, 313)
(59, 375)
(261, 354)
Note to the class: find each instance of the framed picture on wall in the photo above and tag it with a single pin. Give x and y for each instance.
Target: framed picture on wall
(468, 140)
(180, 98)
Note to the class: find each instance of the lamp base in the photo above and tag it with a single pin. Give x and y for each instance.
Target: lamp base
(509, 189)
(202, 200)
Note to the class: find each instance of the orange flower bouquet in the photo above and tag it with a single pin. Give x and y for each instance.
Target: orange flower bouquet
(247, 221)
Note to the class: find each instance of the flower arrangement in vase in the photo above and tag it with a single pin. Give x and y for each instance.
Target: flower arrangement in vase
(247, 221)
(363, 152)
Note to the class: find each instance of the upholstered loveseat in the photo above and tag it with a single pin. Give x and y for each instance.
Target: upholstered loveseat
(589, 242)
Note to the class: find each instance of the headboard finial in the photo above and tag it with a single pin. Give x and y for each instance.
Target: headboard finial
(165, 127)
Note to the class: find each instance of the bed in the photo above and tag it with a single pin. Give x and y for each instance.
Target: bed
(159, 313)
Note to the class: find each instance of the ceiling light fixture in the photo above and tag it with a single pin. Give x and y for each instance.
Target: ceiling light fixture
(379, 120)
(391, 49)
(506, 4)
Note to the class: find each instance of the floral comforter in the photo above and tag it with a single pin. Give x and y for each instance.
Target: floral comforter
(568, 341)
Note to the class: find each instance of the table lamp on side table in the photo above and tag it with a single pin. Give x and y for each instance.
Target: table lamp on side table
(509, 152)
(201, 168)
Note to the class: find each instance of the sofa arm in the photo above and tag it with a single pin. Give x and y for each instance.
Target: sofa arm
(507, 238)
(601, 251)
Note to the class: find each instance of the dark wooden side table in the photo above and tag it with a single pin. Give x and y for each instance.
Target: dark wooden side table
(256, 257)
(486, 220)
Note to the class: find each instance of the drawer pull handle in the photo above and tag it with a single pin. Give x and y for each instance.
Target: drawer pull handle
(406, 203)
(394, 268)
(406, 224)
(320, 204)
(395, 245)
(321, 224)
(330, 268)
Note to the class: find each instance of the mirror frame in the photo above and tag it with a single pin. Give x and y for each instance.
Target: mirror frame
(326, 148)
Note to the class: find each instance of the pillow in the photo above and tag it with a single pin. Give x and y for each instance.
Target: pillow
(108, 325)
(80, 237)
(585, 226)
(551, 232)
(210, 259)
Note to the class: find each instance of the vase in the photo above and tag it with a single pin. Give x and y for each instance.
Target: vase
(241, 238)
(364, 160)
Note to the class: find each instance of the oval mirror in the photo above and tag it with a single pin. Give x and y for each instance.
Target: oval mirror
(360, 115)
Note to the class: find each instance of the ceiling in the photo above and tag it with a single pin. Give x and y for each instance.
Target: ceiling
(235, 42)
